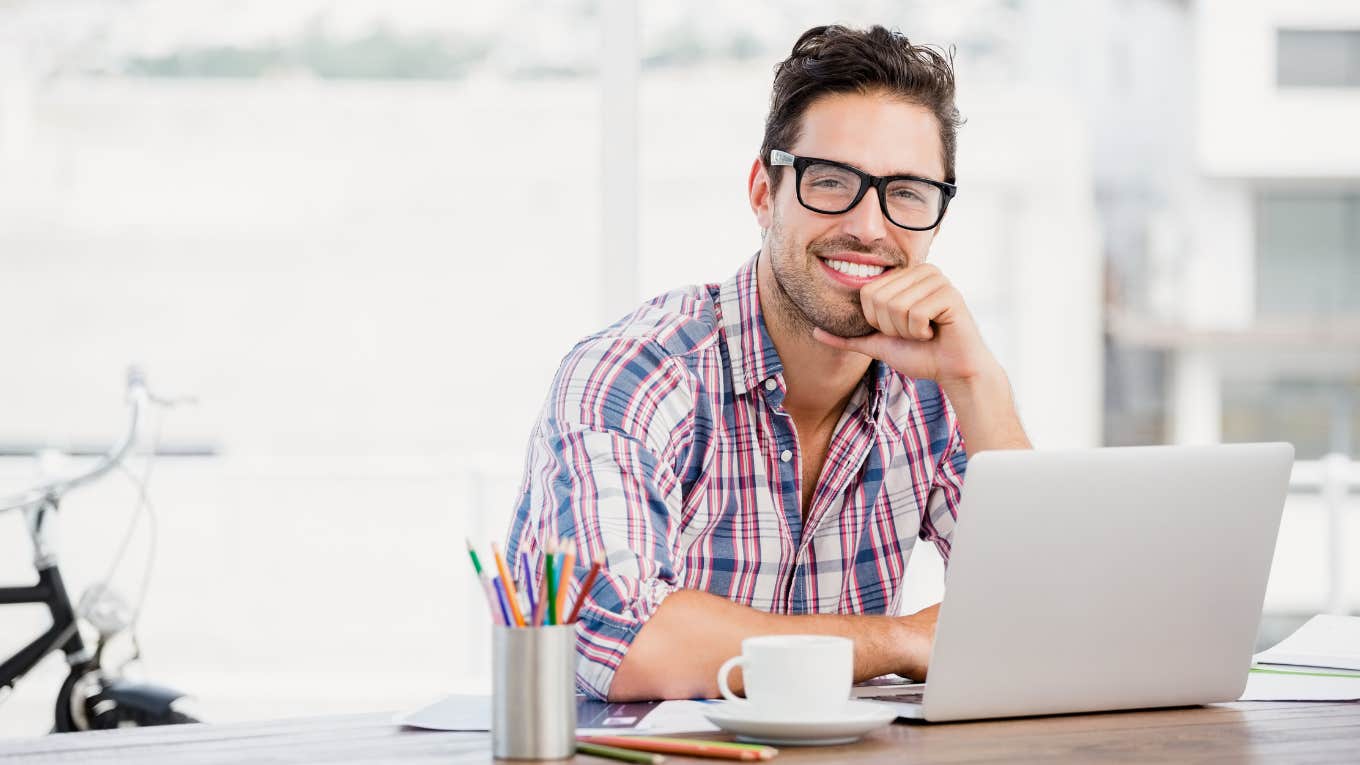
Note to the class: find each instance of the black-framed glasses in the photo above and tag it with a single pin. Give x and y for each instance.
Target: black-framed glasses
(831, 188)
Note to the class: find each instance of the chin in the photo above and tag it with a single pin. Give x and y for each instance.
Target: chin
(846, 326)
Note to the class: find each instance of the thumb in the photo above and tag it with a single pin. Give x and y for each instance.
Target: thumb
(870, 345)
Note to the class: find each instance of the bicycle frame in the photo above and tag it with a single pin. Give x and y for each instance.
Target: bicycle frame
(64, 632)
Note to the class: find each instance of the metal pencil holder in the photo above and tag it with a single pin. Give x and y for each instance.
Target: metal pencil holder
(533, 700)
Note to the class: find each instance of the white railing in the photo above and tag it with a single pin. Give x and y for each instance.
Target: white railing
(1333, 477)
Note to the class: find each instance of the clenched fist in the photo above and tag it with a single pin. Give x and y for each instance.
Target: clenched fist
(924, 328)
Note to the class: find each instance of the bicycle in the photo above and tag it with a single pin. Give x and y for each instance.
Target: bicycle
(92, 696)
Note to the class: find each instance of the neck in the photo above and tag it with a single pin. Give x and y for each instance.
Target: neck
(819, 379)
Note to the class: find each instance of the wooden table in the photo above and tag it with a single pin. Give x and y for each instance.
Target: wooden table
(1266, 732)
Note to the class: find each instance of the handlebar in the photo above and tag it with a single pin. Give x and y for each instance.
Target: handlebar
(137, 397)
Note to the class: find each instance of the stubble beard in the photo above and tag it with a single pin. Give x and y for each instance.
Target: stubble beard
(803, 302)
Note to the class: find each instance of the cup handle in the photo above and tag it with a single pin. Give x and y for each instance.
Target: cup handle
(723, 671)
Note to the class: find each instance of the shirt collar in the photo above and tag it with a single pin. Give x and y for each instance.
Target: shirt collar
(750, 349)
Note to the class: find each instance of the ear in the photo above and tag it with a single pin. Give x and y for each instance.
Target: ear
(762, 197)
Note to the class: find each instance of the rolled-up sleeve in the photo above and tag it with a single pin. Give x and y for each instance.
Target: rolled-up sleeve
(599, 471)
(602, 490)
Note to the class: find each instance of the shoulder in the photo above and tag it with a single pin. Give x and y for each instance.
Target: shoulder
(670, 326)
(639, 374)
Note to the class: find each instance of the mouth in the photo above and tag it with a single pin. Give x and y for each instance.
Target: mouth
(853, 270)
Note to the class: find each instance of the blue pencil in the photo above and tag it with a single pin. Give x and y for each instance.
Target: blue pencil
(500, 598)
(529, 584)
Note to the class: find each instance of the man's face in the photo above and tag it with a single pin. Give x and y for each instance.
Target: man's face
(879, 135)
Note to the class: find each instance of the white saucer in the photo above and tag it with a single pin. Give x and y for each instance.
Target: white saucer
(749, 724)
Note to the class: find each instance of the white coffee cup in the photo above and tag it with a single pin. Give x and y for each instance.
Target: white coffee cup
(793, 676)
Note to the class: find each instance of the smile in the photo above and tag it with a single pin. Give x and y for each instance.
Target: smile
(862, 270)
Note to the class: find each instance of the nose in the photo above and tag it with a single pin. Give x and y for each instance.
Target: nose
(865, 220)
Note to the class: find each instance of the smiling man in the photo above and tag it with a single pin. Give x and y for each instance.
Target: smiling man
(760, 456)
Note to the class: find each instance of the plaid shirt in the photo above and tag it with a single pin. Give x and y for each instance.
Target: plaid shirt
(664, 446)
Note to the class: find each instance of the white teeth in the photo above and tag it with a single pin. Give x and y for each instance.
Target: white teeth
(855, 269)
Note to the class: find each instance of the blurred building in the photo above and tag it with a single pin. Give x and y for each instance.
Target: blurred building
(1233, 243)
(1242, 284)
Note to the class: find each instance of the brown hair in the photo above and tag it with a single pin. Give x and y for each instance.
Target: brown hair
(835, 59)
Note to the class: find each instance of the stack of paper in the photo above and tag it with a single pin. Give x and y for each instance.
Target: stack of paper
(1319, 662)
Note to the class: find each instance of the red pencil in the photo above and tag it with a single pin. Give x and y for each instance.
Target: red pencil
(542, 605)
(585, 588)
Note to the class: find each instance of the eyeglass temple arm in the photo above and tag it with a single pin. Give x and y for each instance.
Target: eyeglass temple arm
(778, 157)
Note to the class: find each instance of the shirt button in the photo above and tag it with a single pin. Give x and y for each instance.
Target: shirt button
(786, 455)
(770, 384)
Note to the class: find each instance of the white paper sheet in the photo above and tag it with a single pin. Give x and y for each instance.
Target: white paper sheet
(1295, 686)
(1324, 641)
(472, 712)
(457, 712)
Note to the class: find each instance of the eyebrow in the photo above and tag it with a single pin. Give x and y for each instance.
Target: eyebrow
(885, 175)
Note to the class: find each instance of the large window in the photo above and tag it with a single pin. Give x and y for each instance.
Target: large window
(1323, 58)
(1308, 254)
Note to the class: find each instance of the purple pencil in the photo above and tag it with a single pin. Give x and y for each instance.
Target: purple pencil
(501, 598)
(528, 581)
(492, 602)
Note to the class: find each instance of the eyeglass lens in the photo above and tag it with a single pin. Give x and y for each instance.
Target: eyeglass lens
(832, 189)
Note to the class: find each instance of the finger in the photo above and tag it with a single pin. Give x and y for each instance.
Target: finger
(904, 303)
(901, 279)
(934, 307)
(875, 345)
(911, 276)
(889, 314)
(886, 321)
(879, 311)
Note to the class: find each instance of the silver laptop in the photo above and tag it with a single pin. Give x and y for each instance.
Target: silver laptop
(1102, 579)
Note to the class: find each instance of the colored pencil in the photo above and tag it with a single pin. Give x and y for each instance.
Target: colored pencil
(585, 587)
(719, 744)
(689, 747)
(510, 595)
(472, 553)
(529, 587)
(501, 598)
(618, 753)
(542, 602)
(552, 584)
(565, 577)
(492, 602)
(487, 589)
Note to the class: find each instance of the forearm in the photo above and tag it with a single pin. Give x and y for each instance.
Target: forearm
(677, 653)
(985, 408)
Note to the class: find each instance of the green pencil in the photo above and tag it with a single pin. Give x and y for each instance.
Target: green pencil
(552, 584)
(1304, 672)
(472, 551)
(615, 753)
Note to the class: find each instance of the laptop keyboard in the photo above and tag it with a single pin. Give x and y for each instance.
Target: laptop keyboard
(915, 697)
